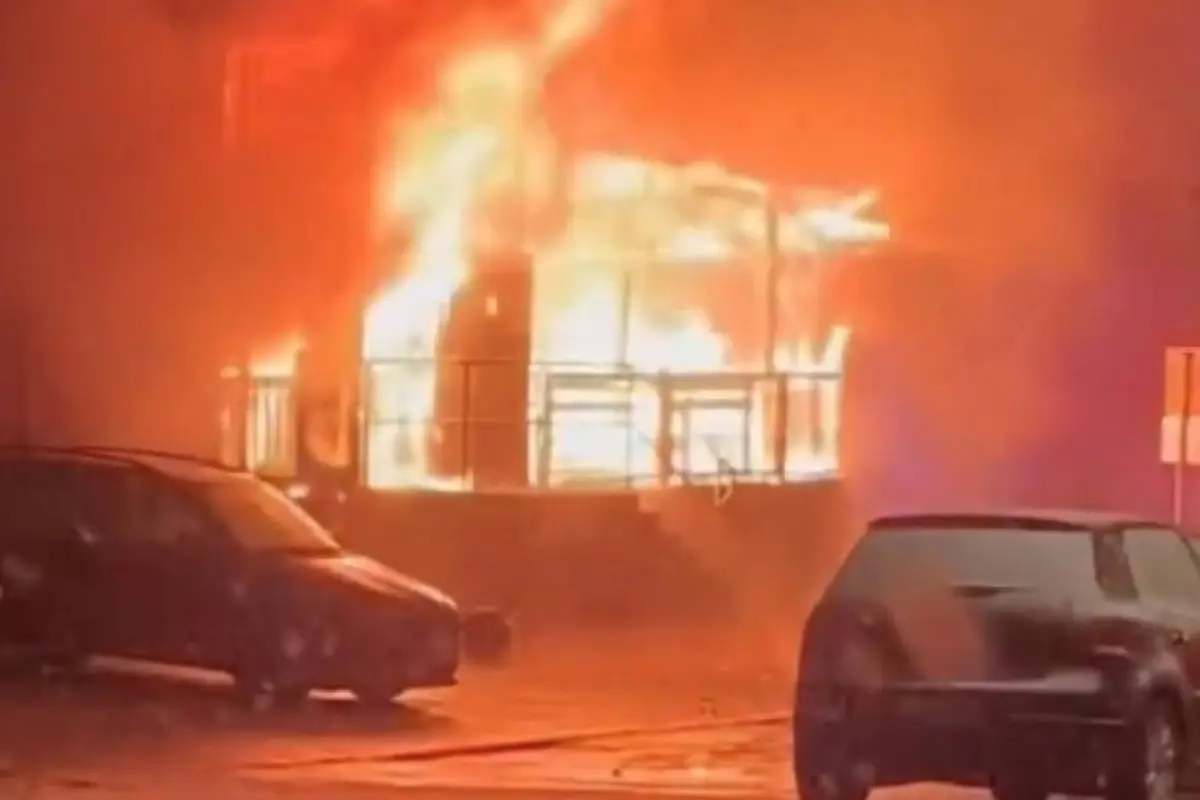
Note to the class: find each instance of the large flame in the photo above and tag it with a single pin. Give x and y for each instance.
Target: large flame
(478, 139)
(449, 158)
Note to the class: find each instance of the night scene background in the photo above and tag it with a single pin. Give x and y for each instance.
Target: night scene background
(1037, 160)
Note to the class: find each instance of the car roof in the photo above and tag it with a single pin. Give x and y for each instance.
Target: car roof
(1082, 519)
(172, 465)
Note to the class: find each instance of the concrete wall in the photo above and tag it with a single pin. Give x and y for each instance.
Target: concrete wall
(602, 560)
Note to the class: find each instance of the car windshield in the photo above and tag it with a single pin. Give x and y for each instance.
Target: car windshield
(260, 517)
(968, 558)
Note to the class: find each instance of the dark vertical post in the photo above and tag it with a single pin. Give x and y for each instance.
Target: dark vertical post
(466, 419)
(546, 432)
(752, 387)
(779, 426)
(356, 413)
(363, 413)
(630, 427)
(490, 328)
(301, 396)
(1185, 414)
(774, 276)
(623, 364)
(626, 310)
(236, 415)
(665, 444)
(782, 410)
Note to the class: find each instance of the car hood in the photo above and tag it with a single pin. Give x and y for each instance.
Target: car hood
(362, 574)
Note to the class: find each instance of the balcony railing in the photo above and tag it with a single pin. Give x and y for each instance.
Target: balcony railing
(504, 424)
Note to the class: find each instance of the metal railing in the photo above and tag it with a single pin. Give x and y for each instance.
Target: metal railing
(504, 424)
(554, 424)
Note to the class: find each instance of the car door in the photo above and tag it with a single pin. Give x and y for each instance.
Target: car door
(44, 567)
(162, 563)
(1167, 576)
(109, 513)
(195, 564)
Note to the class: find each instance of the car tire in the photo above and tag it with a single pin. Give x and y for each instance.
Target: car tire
(379, 694)
(262, 693)
(262, 682)
(60, 648)
(1150, 767)
(64, 662)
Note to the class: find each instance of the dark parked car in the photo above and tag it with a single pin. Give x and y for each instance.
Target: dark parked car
(172, 559)
(1030, 653)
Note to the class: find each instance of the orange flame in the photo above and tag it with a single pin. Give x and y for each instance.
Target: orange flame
(479, 138)
(442, 171)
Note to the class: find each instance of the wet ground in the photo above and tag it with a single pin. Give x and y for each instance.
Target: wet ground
(711, 762)
(121, 729)
(624, 717)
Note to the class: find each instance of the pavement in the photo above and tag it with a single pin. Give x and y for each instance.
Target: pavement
(636, 717)
(716, 761)
(123, 727)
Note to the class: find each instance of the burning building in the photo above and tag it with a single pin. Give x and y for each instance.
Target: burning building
(543, 315)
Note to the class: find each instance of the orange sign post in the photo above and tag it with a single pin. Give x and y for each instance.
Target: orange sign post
(1180, 432)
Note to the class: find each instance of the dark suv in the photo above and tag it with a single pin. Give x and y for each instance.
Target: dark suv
(167, 558)
(1031, 653)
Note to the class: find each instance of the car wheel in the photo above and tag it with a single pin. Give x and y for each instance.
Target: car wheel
(269, 671)
(61, 649)
(262, 693)
(288, 695)
(1151, 768)
(64, 662)
(376, 693)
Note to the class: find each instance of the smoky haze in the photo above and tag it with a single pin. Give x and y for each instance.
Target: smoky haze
(1011, 346)
(1036, 160)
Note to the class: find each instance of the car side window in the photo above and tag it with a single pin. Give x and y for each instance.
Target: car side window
(1163, 566)
(170, 519)
(107, 503)
(120, 503)
(35, 494)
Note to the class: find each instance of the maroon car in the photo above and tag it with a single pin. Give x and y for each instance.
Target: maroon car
(173, 559)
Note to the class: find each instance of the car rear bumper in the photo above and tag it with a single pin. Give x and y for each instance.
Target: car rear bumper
(1065, 740)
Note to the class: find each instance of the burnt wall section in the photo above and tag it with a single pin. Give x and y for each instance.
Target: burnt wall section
(482, 412)
(561, 561)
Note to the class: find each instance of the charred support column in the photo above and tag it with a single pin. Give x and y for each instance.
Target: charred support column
(306, 400)
(782, 410)
(779, 428)
(774, 276)
(483, 380)
(665, 445)
(235, 406)
(545, 437)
